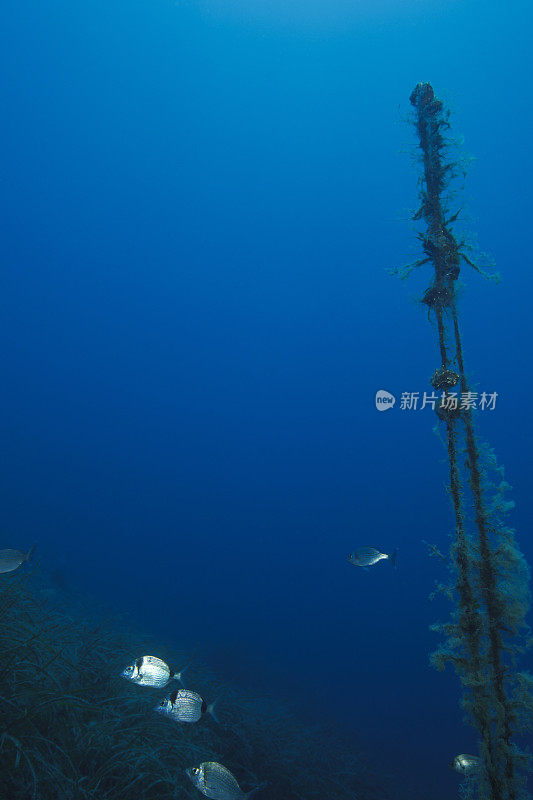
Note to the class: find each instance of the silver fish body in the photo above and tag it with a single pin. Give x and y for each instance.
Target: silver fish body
(216, 782)
(150, 671)
(11, 560)
(368, 556)
(183, 705)
(465, 764)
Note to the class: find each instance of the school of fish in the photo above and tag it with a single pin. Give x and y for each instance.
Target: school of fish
(183, 705)
(186, 706)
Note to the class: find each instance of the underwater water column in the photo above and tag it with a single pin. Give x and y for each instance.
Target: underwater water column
(489, 581)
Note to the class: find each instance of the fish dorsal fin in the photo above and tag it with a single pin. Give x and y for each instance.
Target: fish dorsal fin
(157, 662)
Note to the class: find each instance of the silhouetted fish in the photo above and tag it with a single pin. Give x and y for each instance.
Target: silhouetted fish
(151, 671)
(12, 559)
(215, 781)
(184, 705)
(367, 556)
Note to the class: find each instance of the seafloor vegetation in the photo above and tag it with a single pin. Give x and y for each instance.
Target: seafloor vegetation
(70, 727)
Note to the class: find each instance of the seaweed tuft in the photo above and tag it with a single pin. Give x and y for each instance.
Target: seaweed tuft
(489, 577)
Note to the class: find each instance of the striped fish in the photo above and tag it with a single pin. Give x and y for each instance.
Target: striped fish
(215, 781)
(184, 705)
(151, 671)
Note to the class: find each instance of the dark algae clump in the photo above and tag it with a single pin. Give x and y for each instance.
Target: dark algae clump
(487, 630)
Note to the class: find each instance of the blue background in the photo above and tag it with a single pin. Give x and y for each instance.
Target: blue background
(199, 203)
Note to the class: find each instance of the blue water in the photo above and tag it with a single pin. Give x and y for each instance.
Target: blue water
(199, 203)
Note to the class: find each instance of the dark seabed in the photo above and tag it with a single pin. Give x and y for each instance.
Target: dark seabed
(201, 200)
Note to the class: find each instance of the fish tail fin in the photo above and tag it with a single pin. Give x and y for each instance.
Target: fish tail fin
(178, 676)
(211, 709)
(31, 551)
(394, 558)
(256, 789)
